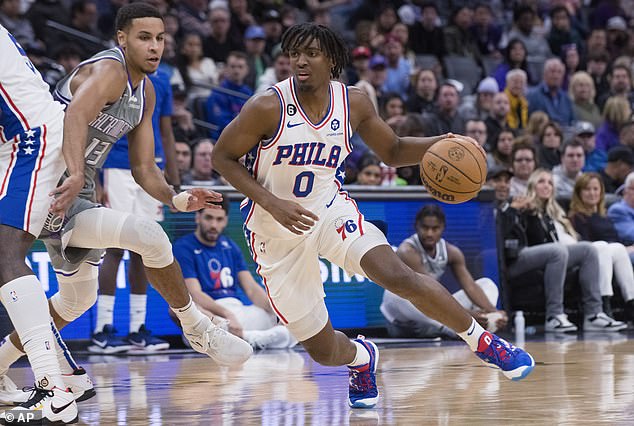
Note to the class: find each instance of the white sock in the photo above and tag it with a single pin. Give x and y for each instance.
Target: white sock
(105, 311)
(67, 364)
(138, 303)
(8, 354)
(27, 307)
(362, 357)
(189, 315)
(472, 335)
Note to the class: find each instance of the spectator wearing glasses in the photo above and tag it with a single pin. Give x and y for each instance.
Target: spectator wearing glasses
(523, 164)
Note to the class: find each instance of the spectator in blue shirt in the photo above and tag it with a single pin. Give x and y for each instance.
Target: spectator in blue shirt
(398, 68)
(213, 267)
(549, 96)
(226, 101)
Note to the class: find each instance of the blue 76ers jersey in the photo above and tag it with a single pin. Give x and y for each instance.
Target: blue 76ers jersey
(303, 161)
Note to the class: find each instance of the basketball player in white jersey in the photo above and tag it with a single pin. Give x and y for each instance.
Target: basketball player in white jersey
(295, 137)
(31, 163)
(107, 96)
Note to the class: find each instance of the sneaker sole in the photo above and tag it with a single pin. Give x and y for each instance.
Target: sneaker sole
(369, 402)
(561, 330)
(108, 350)
(88, 393)
(608, 329)
(520, 372)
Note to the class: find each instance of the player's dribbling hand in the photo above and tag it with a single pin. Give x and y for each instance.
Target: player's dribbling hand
(65, 194)
(197, 198)
(293, 217)
(475, 142)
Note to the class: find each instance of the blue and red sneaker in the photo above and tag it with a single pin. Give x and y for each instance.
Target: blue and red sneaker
(515, 363)
(362, 390)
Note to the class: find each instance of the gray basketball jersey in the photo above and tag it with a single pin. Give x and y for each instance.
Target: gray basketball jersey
(113, 122)
(434, 265)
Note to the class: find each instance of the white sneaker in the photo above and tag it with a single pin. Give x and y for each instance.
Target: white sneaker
(277, 337)
(559, 324)
(9, 392)
(602, 322)
(78, 382)
(54, 405)
(220, 345)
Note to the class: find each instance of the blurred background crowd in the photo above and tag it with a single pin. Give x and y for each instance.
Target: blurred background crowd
(504, 72)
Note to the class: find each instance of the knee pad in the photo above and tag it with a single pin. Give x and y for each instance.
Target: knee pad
(77, 292)
(147, 238)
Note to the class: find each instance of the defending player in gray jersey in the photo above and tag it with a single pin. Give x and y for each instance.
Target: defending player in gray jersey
(107, 96)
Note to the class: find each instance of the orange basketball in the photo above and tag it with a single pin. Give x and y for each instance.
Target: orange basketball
(453, 170)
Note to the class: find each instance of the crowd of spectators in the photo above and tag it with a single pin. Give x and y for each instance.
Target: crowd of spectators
(523, 68)
(539, 84)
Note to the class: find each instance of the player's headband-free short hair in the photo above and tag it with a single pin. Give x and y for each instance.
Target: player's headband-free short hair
(133, 11)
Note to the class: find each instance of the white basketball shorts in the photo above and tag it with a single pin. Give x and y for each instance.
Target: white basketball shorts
(290, 267)
(125, 195)
(31, 165)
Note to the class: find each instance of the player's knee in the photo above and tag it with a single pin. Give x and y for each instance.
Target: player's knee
(149, 240)
(77, 293)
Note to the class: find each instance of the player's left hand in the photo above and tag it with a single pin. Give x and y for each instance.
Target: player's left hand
(65, 194)
(473, 141)
(199, 198)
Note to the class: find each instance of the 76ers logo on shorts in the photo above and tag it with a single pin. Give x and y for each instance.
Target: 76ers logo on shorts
(345, 227)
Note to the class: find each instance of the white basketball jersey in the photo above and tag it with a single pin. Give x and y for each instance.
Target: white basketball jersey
(23, 92)
(436, 265)
(303, 161)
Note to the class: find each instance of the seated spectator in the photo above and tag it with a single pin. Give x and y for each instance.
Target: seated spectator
(496, 121)
(183, 157)
(413, 125)
(524, 29)
(546, 224)
(199, 73)
(572, 62)
(426, 252)
(621, 214)
(213, 267)
(514, 58)
(458, 39)
(219, 43)
(595, 158)
(524, 163)
(479, 105)
(562, 33)
(426, 35)
(371, 83)
(626, 134)
(566, 174)
(620, 81)
(516, 82)
(257, 58)
(485, 31)
(202, 170)
(619, 165)
(422, 97)
(226, 101)
(589, 218)
(536, 122)
(597, 66)
(616, 113)
(281, 70)
(392, 109)
(548, 146)
(358, 67)
(446, 118)
(398, 67)
(477, 129)
(582, 93)
(549, 96)
(369, 170)
(192, 15)
(15, 23)
(500, 155)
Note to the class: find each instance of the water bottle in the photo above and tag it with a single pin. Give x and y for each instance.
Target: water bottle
(520, 328)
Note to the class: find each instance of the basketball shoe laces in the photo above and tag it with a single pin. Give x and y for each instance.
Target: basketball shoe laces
(498, 351)
(36, 397)
(362, 381)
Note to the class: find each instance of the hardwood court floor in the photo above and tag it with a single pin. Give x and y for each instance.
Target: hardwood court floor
(580, 380)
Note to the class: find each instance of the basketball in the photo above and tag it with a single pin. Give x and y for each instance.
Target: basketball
(453, 170)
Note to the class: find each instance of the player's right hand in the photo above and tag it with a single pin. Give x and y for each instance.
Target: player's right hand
(65, 194)
(292, 216)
